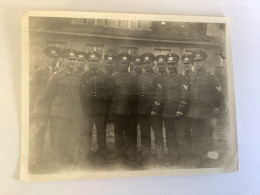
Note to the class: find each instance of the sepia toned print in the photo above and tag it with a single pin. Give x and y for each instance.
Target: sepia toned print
(120, 95)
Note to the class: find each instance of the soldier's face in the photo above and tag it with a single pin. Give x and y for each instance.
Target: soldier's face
(51, 60)
(172, 67)
(110, 65)
(124, 66)
(199, 64)
(187, 66)
(161, 67)
(69, 63)
(138, 67)
(93, 64)
(81, 63)
(148, 66)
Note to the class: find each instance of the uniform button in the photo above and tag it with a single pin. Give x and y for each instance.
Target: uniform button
(143, 95)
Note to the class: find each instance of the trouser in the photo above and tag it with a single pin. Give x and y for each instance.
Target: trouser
(66, 138)
(39, 138)
(178, 136)
(146, 122)
(125, 134)
(100, 123)
(202, 136)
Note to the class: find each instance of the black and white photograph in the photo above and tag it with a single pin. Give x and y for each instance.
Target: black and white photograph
(126, 95)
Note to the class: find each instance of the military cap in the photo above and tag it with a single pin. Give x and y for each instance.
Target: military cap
(147, 57)
(81, 55)
(199, 55)
(52, 51)
(171, 57)
(69, 53)
(160, 59)
(109, 57)
(124, 57)
(137, 59)
(186, 59)
(93, 55)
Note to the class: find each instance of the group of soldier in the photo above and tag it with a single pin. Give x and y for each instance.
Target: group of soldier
(128, 92)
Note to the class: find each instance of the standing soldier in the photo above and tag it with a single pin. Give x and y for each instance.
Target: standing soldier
(95, 104)
(175, 102)
(206, 94)
(64, 94)
(123, 108)
(149, 84)
(187, 66)
(81, 59)
(161, 65)
(110, 63)
(38, 108)
(137, 66)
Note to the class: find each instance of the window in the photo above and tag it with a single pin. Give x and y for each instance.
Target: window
(130, 50)
(161, 51)
(60, 44)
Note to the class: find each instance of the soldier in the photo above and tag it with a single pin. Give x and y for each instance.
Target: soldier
(81, 59)
(123, 108)
(137, 66)
(64, 94)
(206, 94)
(95, 97)
(161, 65)
(38, 108)
(187, 66)
(175, 102)
(149, 84)
(110, 63)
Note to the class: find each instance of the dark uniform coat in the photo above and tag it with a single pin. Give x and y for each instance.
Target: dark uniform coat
(149, 85)
(124, 98)
(38, 84)
(97, 90)
(175, 95)
(64, 90)
(206, 94)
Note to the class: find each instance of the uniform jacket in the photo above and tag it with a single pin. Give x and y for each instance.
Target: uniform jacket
(64, 92)
(206, 94)
(38, 85)
(175, 94)
(97, 92)
(148, 86)
(125, 94)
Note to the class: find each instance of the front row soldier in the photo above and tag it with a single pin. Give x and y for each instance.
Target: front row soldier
(175, 92)
(149, 84)
(64, 95)
(95, 96)
(40, 109)
(123, 109)
(206, 94)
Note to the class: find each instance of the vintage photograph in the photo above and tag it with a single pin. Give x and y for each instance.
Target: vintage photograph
(126, 94)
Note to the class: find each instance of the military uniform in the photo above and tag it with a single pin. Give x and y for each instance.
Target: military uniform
(64, 93)
(81, 58)
(149, 84)
(206, 94)
(137, 66)
(175, 94)
(38, 108)
(186, 61)
(95, 96)
(123, 108)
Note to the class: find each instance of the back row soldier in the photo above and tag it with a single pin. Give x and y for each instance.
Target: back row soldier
(40, 109)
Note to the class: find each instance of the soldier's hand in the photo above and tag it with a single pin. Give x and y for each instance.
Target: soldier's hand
(179, 114)
(153, 113)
